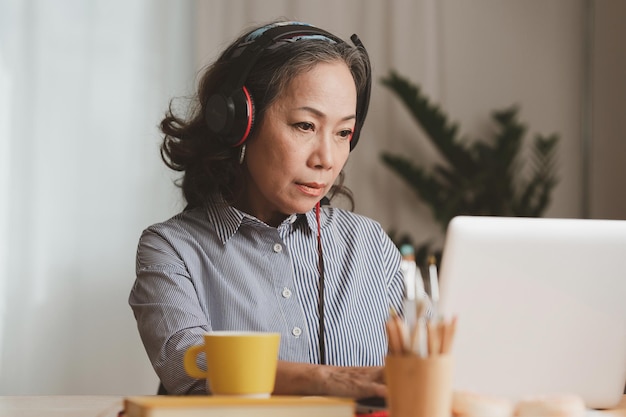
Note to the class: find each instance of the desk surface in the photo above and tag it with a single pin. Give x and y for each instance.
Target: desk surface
(109, 406)
(61, 406)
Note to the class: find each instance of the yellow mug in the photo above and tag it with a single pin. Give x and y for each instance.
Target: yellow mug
(238, 363)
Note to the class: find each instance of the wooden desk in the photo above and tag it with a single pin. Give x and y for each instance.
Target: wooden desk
(109, 406)
(61, 406)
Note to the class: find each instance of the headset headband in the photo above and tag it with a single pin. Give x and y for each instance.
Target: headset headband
(254, 47)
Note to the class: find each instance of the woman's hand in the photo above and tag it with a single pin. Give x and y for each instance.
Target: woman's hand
(306, 379)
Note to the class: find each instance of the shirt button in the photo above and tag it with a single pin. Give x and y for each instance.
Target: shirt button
(292, 219)
(286, 292)
(278, 248)
(296, 331)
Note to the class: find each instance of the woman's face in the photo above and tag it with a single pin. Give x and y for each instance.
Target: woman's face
(302, 143)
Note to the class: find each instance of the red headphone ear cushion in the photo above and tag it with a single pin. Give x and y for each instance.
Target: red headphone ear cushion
(243, 117)
(251, 115)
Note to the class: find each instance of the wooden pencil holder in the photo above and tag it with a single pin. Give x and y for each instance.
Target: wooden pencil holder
(419, 387)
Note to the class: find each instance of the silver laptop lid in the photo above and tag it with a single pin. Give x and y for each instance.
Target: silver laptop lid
(541, 306)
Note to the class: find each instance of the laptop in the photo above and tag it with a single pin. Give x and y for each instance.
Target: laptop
(541, 306)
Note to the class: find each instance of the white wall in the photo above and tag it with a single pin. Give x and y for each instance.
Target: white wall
(80, 166)
(526, 53)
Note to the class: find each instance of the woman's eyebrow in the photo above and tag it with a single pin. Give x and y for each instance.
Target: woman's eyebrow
(322, 114)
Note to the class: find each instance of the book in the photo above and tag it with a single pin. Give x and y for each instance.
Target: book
(208, 406)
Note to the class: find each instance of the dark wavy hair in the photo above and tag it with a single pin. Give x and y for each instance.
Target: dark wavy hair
(210, 168)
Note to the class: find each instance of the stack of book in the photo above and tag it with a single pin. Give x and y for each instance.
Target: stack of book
(208, 406)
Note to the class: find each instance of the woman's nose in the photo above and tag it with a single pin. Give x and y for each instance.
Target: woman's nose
(324, 153)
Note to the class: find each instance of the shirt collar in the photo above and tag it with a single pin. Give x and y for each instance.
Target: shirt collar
(228, 219)
(225, 218)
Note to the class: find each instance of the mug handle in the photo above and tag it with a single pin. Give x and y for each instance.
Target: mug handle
(191, 367)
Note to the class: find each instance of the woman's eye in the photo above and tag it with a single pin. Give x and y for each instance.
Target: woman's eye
(345, 133)
(304, 126)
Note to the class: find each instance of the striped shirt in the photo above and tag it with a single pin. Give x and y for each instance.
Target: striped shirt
(218, 268)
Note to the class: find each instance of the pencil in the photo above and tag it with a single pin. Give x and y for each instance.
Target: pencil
(434, 340)
(394, 333)
(434, 284)
(449, 330)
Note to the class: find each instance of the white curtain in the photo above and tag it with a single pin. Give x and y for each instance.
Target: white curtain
(83, 85)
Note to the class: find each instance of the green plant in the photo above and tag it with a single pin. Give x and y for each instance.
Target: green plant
(478, 177)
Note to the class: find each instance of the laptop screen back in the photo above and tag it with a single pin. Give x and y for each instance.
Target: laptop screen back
(541, 306)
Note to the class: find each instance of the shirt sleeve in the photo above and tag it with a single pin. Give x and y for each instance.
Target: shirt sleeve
(168, 313)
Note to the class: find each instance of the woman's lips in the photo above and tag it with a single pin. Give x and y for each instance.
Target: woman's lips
(312, 189)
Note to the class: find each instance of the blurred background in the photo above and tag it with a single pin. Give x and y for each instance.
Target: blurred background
(84, 84)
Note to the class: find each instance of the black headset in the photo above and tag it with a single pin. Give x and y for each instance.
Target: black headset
(229, 113)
